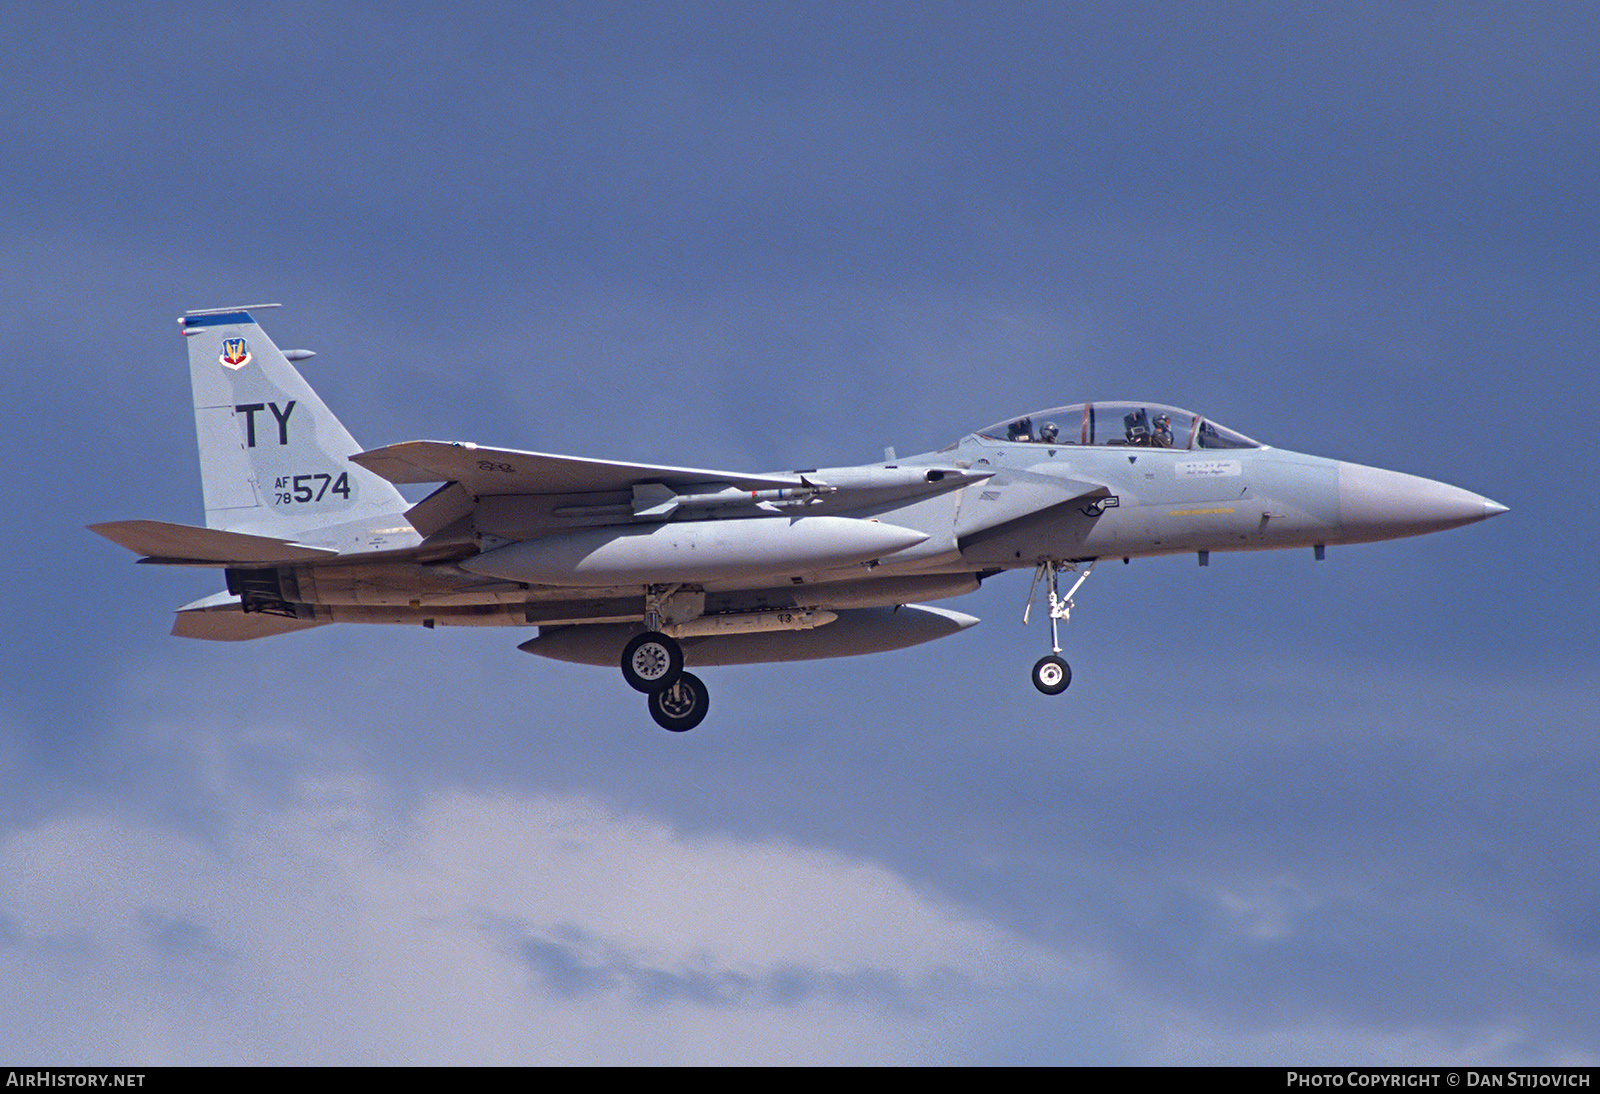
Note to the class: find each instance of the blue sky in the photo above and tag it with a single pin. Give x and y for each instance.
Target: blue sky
(1288, 811)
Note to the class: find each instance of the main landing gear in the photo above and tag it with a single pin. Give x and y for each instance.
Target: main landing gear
(682, 704)
(1051, 674)
(652, 662)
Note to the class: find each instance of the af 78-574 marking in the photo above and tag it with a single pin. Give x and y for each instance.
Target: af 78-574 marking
(655, 568)
(289, 489)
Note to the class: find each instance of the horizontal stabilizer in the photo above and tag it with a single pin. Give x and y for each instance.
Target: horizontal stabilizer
(163, 542)
(490, 471)
(222, 618)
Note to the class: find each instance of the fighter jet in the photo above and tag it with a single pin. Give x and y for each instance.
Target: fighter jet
(654, 569)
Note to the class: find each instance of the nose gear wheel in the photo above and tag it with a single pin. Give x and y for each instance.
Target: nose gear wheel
(1051, 674)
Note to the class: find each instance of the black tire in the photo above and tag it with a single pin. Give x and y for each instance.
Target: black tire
(681, 705)
(651, 661)
(1051, 675)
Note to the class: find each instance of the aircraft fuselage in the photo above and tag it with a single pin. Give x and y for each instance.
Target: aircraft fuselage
(657, 567)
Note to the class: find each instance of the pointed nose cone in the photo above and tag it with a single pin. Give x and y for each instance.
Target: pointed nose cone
(1378, 504)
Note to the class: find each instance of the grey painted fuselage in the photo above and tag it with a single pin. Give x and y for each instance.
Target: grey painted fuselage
(739, 567)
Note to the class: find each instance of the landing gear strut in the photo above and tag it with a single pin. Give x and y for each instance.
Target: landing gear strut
(1051, 674)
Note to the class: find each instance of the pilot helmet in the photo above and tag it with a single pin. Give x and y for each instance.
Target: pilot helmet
(1048, 432)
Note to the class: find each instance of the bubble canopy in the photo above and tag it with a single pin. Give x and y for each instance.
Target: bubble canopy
(1137, 425)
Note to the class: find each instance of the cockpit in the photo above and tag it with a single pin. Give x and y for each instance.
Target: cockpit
(1134, 425)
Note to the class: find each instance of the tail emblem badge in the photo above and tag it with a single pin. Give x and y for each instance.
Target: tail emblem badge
(235, 353)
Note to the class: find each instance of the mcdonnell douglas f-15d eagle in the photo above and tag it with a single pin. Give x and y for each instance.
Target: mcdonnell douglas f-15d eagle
(655, 568)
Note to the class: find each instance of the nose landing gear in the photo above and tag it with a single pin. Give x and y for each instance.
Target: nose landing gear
(1051, 674)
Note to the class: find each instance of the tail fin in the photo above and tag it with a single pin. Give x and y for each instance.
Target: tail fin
(273, 458)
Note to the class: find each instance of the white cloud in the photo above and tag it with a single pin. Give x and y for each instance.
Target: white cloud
(484, 928)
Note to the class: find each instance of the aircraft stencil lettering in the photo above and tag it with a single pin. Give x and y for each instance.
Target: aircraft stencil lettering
(280, 414)
(654, 569)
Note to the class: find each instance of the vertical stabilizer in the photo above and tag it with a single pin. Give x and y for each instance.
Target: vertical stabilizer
(273, 458)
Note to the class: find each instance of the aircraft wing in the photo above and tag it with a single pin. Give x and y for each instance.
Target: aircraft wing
(160, 541)
(487, 472)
